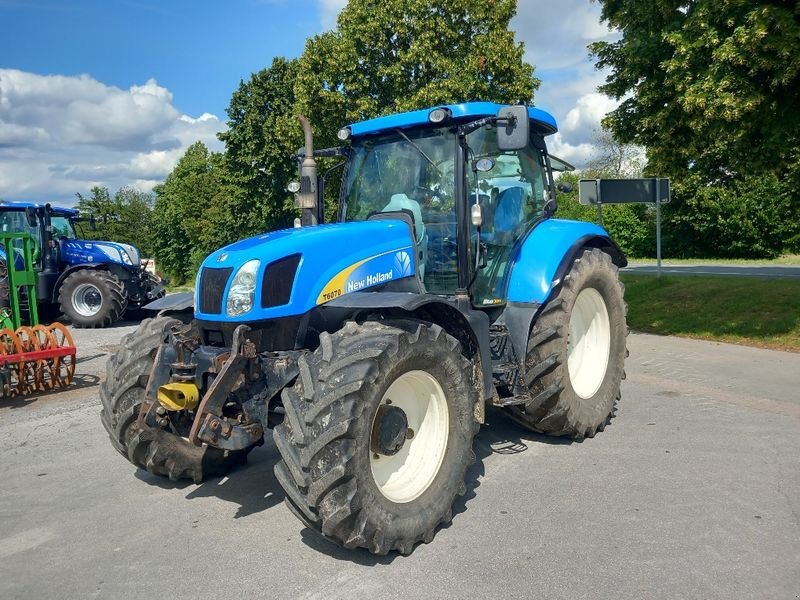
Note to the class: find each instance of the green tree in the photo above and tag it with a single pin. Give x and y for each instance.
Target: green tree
(710, 87)
(189, 207)
(395, 55)
(262, 135)
(126, 217)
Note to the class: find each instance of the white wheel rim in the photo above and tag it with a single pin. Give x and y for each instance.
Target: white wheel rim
(589, 343)
(404, 476)
(87, 300)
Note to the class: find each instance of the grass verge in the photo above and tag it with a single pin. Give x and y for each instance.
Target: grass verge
(740, 310)
(786, 259)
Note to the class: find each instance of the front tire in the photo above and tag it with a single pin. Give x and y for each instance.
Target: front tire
(91, 298)
(576, 352)
(378, 435)
(122, 392)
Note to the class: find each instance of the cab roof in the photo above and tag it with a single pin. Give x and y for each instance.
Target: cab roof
(57, 210)
(468, 111)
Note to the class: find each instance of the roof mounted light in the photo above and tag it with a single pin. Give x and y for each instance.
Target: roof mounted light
(344, 134)
(439, 115)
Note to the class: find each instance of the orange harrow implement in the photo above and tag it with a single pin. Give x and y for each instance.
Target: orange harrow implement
(37, 358)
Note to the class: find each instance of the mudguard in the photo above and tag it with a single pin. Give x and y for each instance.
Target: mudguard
(19, 261)
(548, 251)
(173, 302)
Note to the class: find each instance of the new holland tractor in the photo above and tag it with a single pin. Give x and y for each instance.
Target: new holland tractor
(93, 282)
(371, 346)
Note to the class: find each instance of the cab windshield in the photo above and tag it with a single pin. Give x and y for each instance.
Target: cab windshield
(412, 171)
(62, 227)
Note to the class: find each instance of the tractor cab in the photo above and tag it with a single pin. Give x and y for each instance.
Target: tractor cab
(437, 173)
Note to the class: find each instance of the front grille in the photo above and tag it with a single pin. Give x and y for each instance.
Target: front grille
(212, 286)
(276, 287)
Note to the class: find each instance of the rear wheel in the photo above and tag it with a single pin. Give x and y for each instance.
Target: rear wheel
(576, 352)
(157, 450)
(378, 435)
(91, 298)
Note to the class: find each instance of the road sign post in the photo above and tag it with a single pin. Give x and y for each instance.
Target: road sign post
(654, 190)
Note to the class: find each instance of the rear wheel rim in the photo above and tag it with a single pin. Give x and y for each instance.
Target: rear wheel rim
(589, 343)
(406, 474)
(87, 299)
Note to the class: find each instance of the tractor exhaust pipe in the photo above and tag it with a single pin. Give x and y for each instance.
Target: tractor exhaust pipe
(306, 196)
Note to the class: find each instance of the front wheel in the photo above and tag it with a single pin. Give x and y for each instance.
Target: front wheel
(576, 352)
(159, 451)
(378, 435)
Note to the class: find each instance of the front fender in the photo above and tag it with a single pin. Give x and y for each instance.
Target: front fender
(546, 254)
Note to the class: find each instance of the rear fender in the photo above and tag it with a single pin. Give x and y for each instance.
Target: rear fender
(547, 253)
(540, 266)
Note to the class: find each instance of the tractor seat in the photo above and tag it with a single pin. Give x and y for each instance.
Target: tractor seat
(508, 214)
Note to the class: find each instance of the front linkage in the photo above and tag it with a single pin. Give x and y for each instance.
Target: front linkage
(239, 383)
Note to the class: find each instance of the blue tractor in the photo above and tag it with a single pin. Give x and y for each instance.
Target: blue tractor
(93, 282)
(372, 345)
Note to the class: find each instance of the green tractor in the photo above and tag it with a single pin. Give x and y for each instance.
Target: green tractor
(371, 346)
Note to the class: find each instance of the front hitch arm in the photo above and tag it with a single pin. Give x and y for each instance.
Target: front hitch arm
(208, 425)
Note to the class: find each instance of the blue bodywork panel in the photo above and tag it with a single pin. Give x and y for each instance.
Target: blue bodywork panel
(468, 110)
(540, 255)
(335, 260)
(78, 252)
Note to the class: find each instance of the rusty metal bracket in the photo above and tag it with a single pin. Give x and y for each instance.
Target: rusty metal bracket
(159, 375)
(222, 434)
(224, 383)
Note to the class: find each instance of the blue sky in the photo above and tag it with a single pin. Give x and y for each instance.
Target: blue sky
(112, 92)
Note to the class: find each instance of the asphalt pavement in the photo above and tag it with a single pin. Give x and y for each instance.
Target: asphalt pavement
(693, 491)
(770, 272)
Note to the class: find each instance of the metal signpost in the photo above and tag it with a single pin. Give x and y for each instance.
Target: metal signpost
(654, 190)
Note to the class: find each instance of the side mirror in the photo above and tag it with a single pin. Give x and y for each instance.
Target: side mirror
(30, 216)
(566, 188)
(513, 128)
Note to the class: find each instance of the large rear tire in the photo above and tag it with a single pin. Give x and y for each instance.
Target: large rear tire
(576, 352)
(90, 298)
(378, 435)
(122, 392)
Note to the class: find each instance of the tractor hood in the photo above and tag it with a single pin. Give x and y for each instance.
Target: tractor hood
(289, 272)
(77, 252)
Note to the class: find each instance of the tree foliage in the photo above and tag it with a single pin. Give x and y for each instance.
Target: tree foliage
(390, 56)
(710, 87)
(126, 217)
(262, 136)
(190, 207)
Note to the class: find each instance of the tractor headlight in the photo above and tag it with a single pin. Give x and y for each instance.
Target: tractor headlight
(243, 289)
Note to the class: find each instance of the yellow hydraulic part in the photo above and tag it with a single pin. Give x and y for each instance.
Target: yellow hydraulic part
(178, 396)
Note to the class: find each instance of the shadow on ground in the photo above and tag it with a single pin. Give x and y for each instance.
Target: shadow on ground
(253, 486)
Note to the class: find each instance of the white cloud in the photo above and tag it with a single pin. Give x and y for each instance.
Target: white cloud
(329, 10)
(556, 36)
(64, 134)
